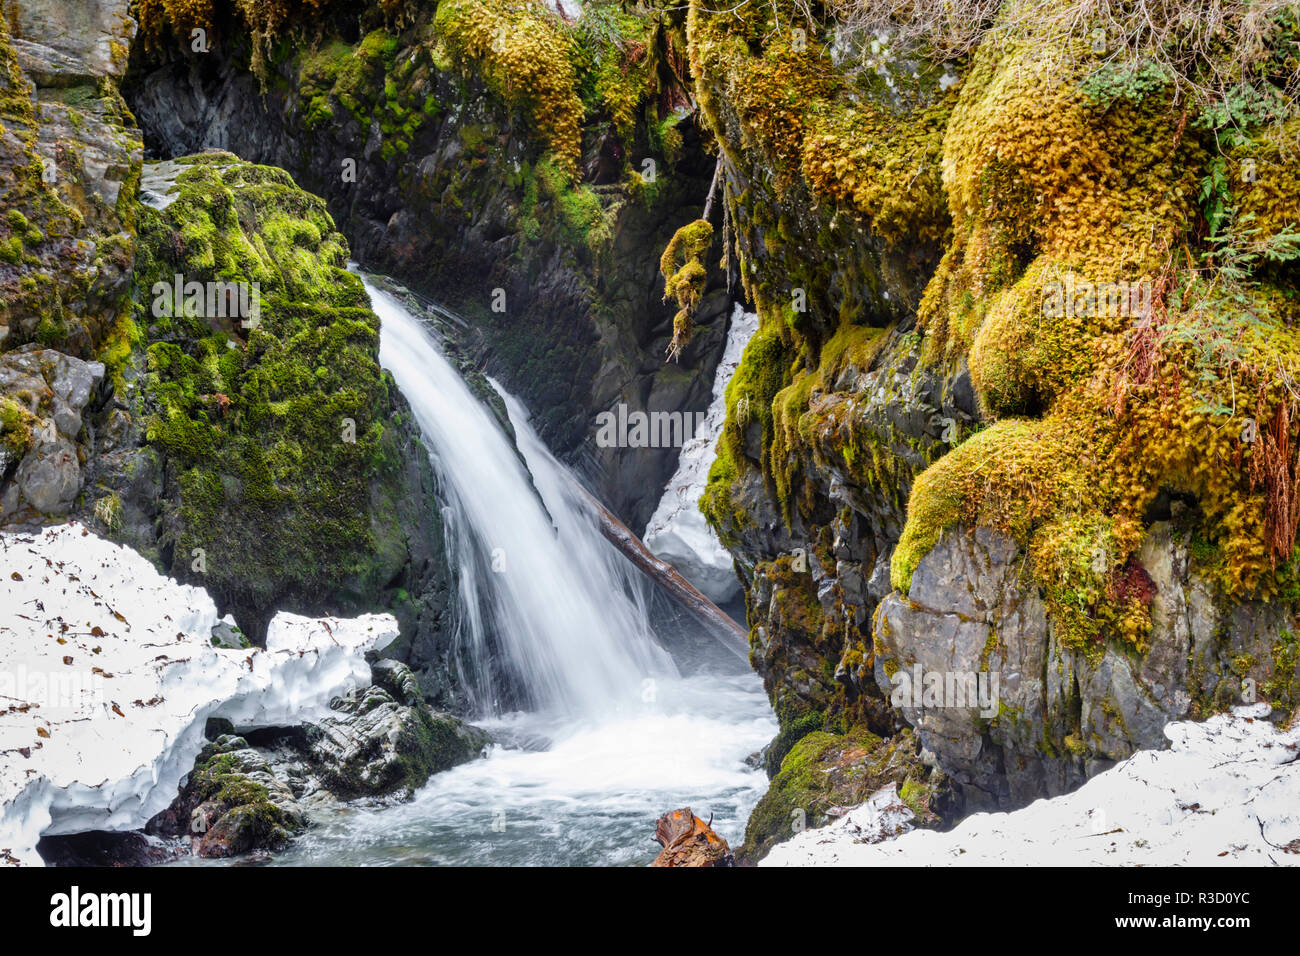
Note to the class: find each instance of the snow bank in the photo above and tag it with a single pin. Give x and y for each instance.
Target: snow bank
(677, 531)
(108, 676)
(1223, 794)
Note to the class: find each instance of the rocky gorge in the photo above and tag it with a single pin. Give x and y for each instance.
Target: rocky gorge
(1018, 410)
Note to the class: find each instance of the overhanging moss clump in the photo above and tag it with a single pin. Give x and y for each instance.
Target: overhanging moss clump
(1121, 354)
(685, 277)
(525, 55)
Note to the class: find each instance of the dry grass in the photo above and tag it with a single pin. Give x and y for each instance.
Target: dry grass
(1211, 51)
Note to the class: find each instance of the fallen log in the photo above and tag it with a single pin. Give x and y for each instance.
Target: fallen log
(689, 841)
(678, 588)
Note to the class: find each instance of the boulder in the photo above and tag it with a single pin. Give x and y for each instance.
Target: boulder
(825, 774)
(1062, 714)
(385, 739)
(50, 392)
(232, 803)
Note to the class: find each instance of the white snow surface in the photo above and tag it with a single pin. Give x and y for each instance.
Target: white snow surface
(569, 9)
(677, 531)
(1223, 794)
(108, 676)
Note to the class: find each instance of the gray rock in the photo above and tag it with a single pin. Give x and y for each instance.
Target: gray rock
(376, 743)
(227, 634)
(1062, 715)
(57, 389)
(49, 476)
(87, 39)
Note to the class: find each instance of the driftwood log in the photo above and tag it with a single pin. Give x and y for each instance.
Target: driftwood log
(689, 841)
(678, 588)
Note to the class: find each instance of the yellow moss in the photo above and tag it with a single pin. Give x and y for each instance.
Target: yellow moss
(685, 277)
(266, 19)
(1268, 189)
(526, 57)
(1050, 190)
(806, 428)
(1030, 174)
(808, 122)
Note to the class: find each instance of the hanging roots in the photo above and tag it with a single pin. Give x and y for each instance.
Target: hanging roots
(1273, 467)
(685, 281)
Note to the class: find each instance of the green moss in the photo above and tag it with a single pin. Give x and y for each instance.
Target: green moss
(16, 424)
(581, 216)
(1282, 685)
(685, 277)
(276, 431)
(825, 772)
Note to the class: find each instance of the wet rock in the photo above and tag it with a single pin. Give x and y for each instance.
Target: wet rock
(107, 848)
(257, 791)
(385, 739)
(1061, 714)
(825, 775)
(232, 803)
(54, 390)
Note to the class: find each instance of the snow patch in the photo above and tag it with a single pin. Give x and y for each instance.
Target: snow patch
(677, 531)
(108, 676)
(1222, 794)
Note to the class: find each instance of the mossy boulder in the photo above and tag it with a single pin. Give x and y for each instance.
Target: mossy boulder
(232, 803)
(267, 419)
(825, 775)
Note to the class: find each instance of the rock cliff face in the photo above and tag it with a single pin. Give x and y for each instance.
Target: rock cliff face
(946, 450)
(416, 141)
(220, 449)
(1062, 716)
(69, 160)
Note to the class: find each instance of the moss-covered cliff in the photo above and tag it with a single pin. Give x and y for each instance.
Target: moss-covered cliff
(1026, 281)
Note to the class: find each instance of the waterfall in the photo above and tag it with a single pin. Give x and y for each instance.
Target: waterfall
(542, 595)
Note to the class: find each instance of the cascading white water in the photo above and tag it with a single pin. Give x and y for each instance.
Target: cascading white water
(580, 774)
(542, 585)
